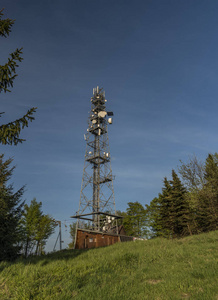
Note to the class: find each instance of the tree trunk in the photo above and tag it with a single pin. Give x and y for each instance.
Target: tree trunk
(37, 247)
(26, 248)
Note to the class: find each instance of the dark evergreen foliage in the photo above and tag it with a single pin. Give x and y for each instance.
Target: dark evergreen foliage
(167, 217)
(170, 213)
(209, 194)
(189, 208)
(180, 206)
(11, 208)
(9, 133)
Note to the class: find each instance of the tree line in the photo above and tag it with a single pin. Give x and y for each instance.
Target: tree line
(187, 204)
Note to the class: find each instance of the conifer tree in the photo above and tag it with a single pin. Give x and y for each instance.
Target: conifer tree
(180, 206)
(167, 217)
(208, 217)
(160, 212)
(169, 213)
(10, 132)
(11, 207)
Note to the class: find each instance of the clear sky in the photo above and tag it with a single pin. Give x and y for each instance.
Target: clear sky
(156, 60)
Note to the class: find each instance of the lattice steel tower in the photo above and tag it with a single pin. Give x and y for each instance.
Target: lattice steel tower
(97, 202)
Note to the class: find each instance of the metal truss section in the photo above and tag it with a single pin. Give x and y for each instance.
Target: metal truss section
(97, 193)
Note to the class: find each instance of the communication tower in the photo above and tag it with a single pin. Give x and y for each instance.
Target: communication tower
(97, 210)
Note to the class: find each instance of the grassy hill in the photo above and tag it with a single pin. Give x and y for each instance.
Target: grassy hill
(154, 269)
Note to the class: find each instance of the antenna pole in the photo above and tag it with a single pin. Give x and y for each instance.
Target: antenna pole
(59, 236)
(59, 222)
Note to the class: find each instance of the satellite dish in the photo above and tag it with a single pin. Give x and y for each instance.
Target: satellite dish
(102, 114)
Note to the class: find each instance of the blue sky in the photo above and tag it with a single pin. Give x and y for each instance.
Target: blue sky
(156, 60)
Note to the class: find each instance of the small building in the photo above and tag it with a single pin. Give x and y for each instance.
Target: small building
(86, 239)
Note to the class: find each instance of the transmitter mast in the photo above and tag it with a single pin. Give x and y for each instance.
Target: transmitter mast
(97, 210)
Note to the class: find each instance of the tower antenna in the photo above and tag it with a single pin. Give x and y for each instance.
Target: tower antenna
(97, 212)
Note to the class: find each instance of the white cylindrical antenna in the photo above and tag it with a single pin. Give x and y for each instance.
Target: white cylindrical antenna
(110, 120)
(97, 89)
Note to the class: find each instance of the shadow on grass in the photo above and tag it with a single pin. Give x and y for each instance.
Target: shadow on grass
(43, 260)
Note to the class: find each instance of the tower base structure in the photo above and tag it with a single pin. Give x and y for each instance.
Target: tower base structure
(87, 239)
(109, 231)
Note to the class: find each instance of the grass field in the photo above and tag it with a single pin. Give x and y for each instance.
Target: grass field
(153, 269)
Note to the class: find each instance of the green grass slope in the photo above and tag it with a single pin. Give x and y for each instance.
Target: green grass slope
(154, 269)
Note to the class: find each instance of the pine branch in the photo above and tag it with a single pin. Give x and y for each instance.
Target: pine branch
(9, 133)
(8, 71)
(5, 25)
